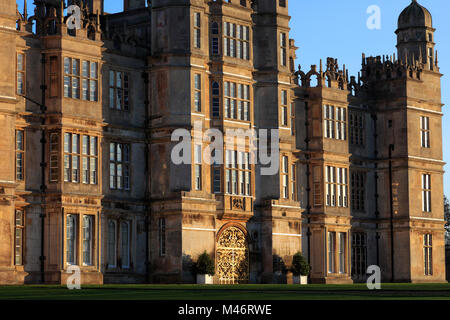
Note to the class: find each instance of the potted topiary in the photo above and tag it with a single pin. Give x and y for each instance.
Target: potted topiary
(300, 269)
(205, 269)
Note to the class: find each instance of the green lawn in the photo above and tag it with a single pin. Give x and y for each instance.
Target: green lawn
(242, 292)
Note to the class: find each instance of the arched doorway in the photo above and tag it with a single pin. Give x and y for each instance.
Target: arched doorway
(232, 256)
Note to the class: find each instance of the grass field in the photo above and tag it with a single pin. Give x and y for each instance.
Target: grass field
(242, 292)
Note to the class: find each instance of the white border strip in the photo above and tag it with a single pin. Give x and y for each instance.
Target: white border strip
(199, 229)
(6, 181)
(237, 75)
(424, 110)
(426, 159)
(8, 97)
(287, 235)
(198, 66)
(287, 207)
(430, 219)
(196, 199)
(247, 124)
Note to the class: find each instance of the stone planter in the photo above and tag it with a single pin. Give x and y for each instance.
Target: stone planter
(204, 279)
(300, 280)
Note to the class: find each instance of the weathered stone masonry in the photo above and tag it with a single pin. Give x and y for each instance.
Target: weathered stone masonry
(87, 117)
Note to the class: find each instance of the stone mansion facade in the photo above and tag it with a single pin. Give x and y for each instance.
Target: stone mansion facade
(88, 115)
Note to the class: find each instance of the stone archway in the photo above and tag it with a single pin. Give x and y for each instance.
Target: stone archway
(232, 256)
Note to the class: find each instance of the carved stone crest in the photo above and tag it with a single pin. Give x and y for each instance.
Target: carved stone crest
(238, 204)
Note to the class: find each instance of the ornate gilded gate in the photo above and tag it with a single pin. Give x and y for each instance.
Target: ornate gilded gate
(232, 256)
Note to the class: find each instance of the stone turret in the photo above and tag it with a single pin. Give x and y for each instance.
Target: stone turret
(415, 36)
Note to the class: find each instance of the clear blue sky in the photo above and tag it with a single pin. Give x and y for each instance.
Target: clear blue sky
(330, 28)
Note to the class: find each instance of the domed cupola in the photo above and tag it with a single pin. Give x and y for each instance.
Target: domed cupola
(415, 16)
(415, 35)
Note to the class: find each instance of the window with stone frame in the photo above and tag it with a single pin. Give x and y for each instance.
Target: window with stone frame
(71, 157)
(88, 242)
(283, 49)
(20, 74)
(431, 58)
(198, 167)
(293, 179)
(118, 244)
(336, 186)
(330, 187)
(19, 237)
(358, 184)
(335, 122)
(356, 128)
(428, 254)
(236, 41)
(237, 101)
(119, 90)
(331, 252)
(197, 93)
(341, 123)
(342, 252)
(238, 173)
(80, 79)
(71, 78)
(425, 132)
(80, 158)
(71, 239)
(285, 177)
(215, 94)
(359, 254)
(54, 157)
(20, 155)
(217, 179)
(119, 166)
(215, 38)
(329, 122)
(197, 30)
(89, 81)
(342, 187)
(426, 192)
(284, 108)
(288, 174)
(89, 159)
(112, 244)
